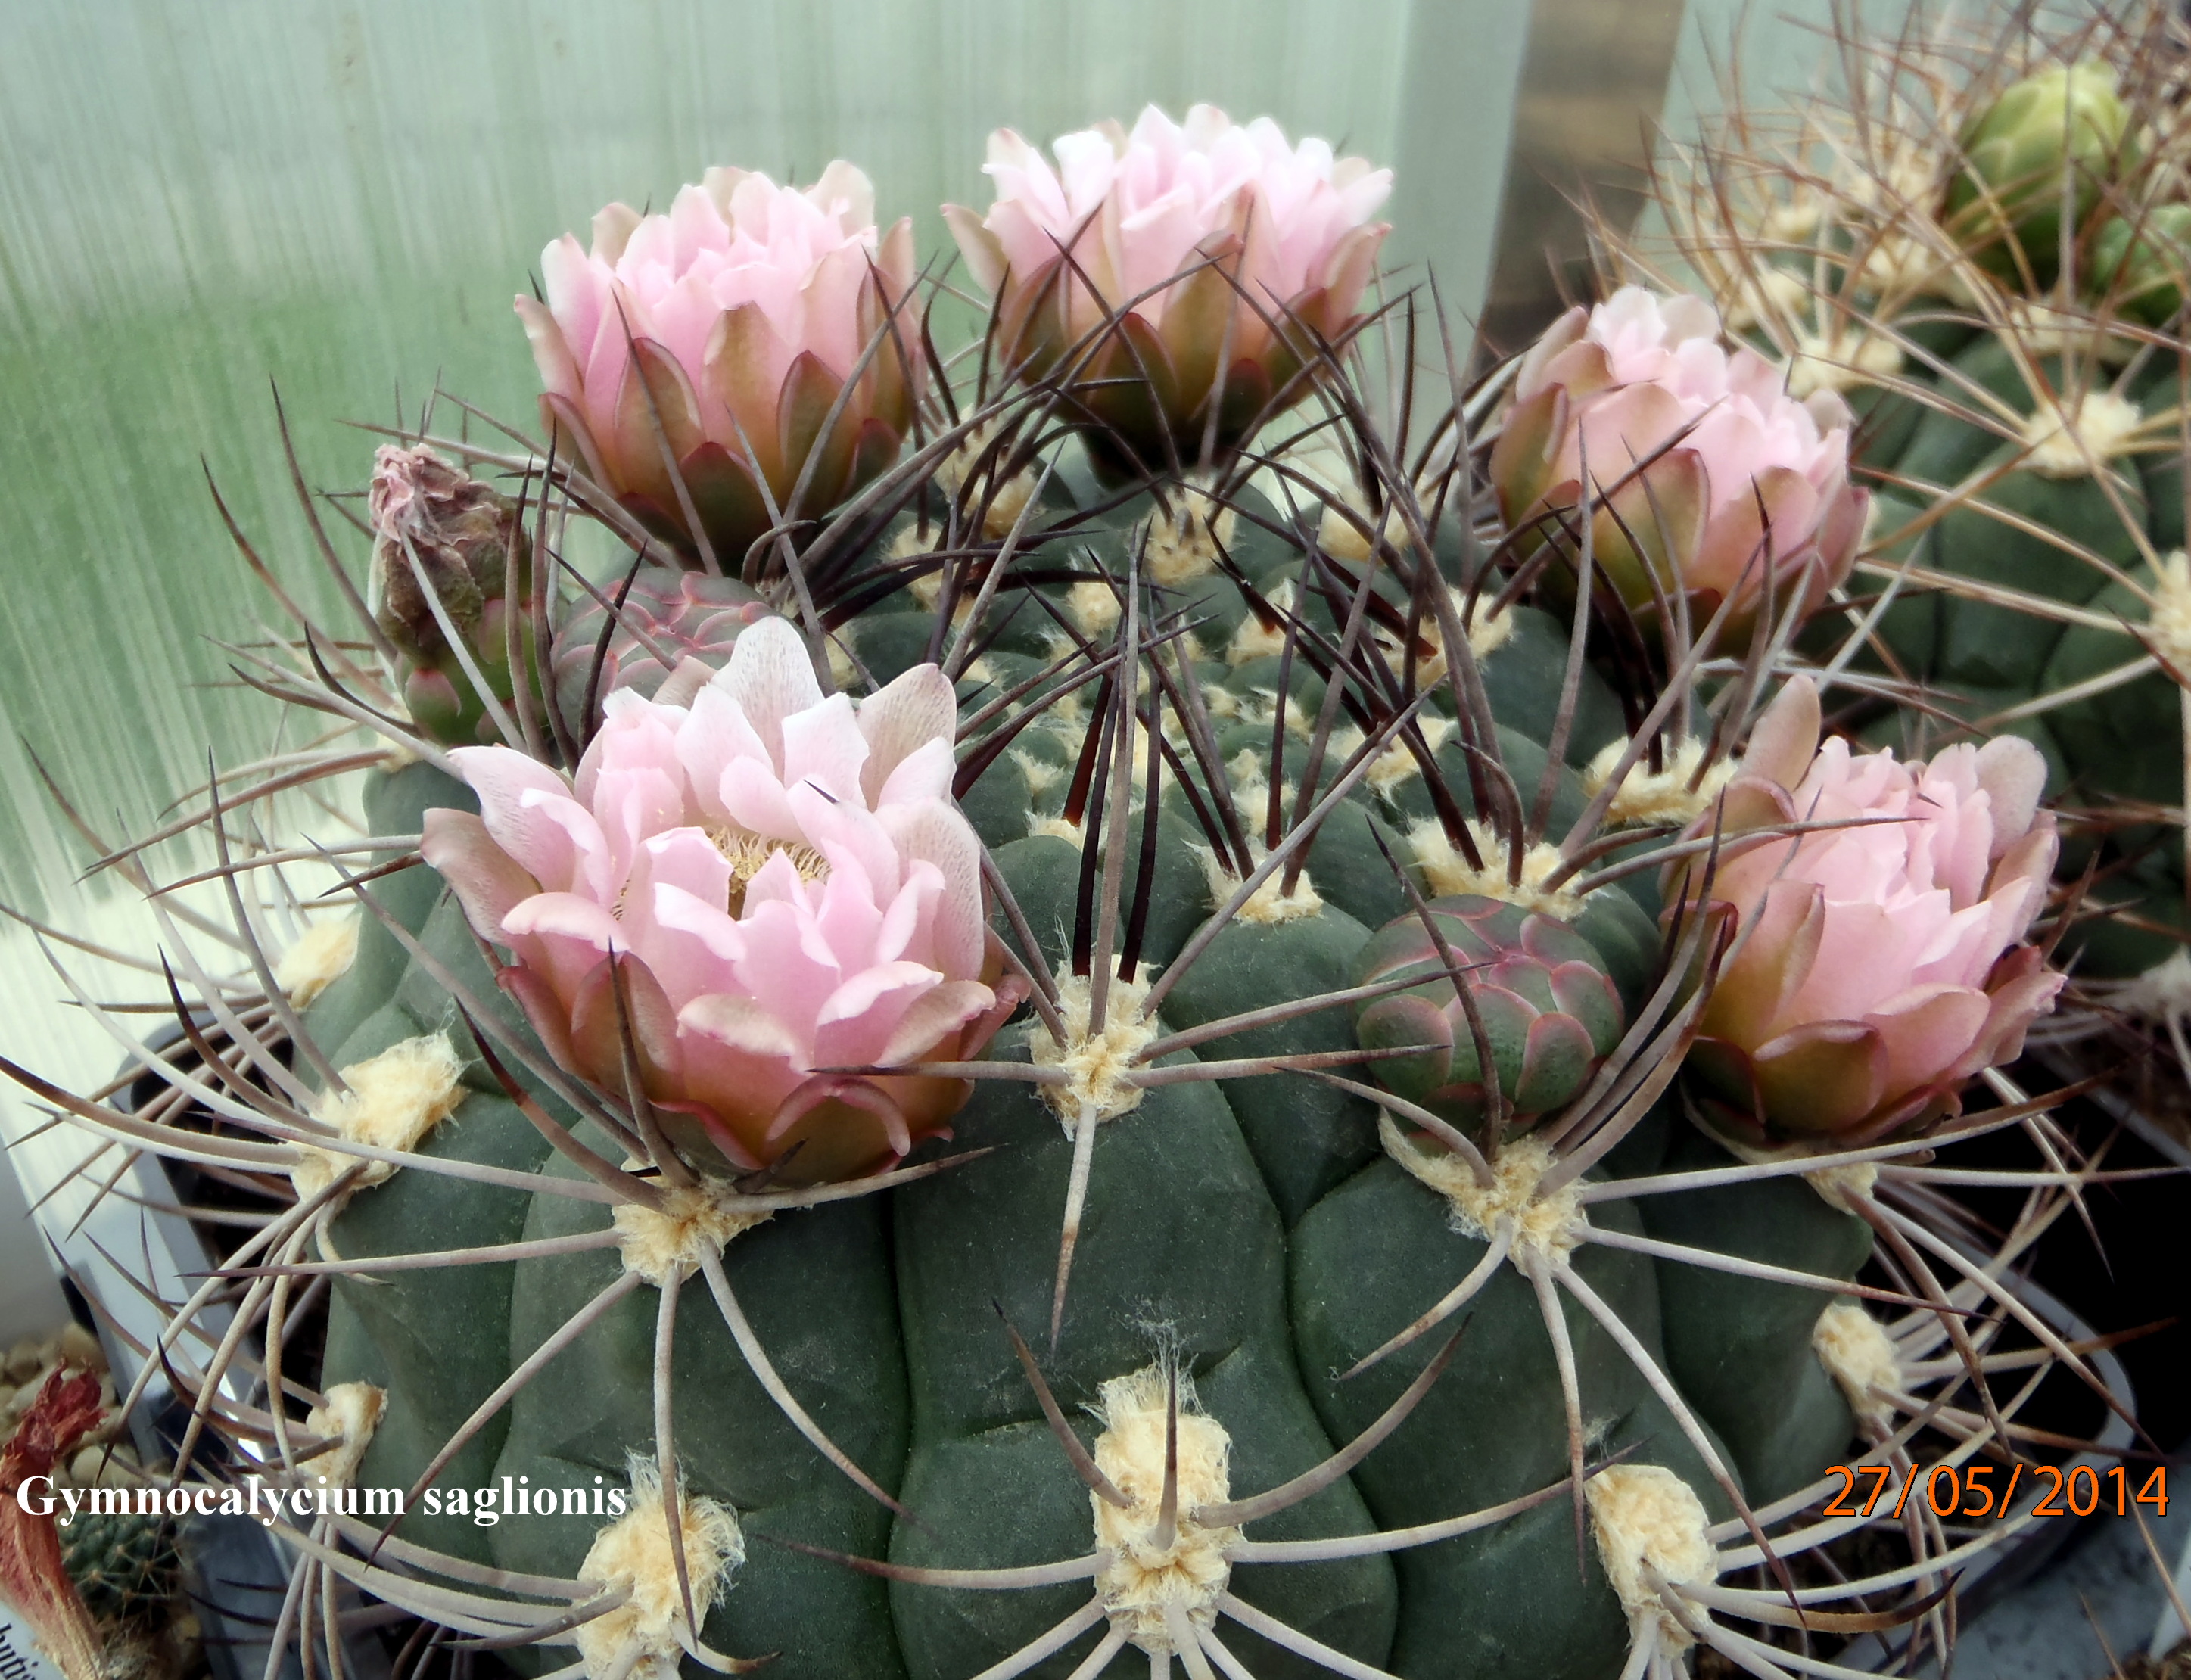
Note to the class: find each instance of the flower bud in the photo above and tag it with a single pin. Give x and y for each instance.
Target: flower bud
(2141, 270)
(1705, 474)
(443, 542)
(694, 361)
(2006, 205)
(667, 617)
(1545, 1001)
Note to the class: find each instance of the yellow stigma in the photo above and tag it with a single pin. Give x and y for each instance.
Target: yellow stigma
(2168, 625)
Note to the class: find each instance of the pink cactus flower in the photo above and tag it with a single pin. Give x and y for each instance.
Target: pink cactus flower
(780, 886)
(1872, 970)
(1223, 250)
(719, 336)
(1705, 471)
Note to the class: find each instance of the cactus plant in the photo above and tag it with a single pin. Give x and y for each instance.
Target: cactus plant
(717, 1271)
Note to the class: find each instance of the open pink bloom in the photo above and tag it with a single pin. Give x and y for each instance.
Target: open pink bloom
(1704, 471)
(1873, 970)
(719, 336)
(779, 883)
(1225, 249)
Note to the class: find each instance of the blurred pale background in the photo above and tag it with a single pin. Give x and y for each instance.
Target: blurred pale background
(201, 198)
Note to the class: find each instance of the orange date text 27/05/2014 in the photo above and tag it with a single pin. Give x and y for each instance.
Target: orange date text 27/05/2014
(1981, 1490)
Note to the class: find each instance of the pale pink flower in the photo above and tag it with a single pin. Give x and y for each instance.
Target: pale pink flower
(1615, 386)
(1219, 242)
(1874, 968)
(781, 885)
(740, 313)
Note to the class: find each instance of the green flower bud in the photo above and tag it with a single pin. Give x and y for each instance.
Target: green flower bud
(2007, 202)
(2141, 269)
(668, 615)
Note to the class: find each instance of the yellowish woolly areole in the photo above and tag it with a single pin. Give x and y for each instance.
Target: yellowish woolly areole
(633, 1554)
(1337, 534)
(1095, 1066)
(2168, 626)
(1094, 607)
(322, 957)
(344, 1418)
(691, 1223)
(2162, 993)
(1139, 1579)
(1448, 872)
(1255, 639)
(1487, 629)
(2069, 441)
(394, 1100)
(1554, 1225)
(1006, 500)
(1665, 795)
(1860, 1355)
(838, 647)
(1839, 358)
(1395, 766)
(1843, 1186)
(1651, 1530)
(1270, 903)
(1182, 545)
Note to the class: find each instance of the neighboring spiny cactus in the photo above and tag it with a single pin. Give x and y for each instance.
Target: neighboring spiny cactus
(2020, 378)
(125, 1566)
(889, 1105)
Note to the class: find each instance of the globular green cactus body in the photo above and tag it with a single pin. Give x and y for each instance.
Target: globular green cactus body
(1252, 1233)
(1182, 1251)
(818, 1287)
(1728, 1336)
(1382, 1248)
(2027, 488)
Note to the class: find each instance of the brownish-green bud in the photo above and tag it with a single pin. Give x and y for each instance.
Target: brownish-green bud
(2006, 204)
(442, 546)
